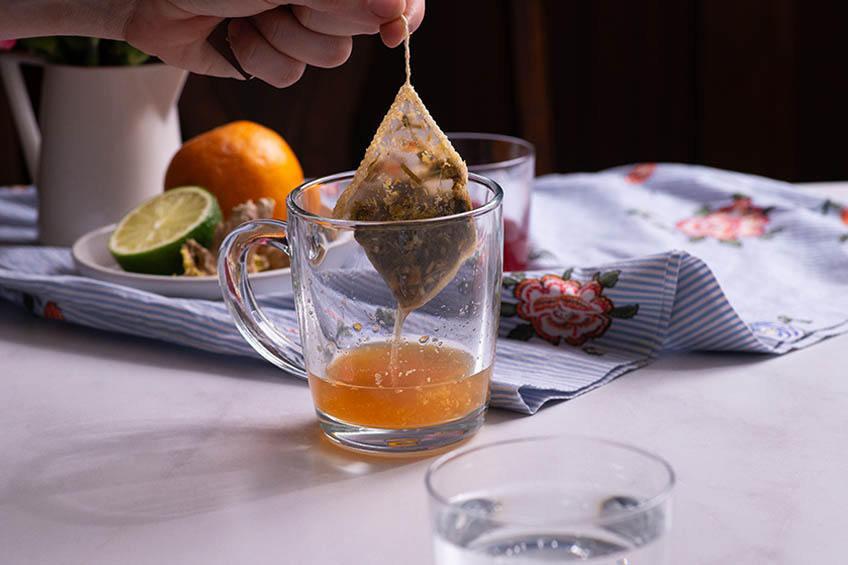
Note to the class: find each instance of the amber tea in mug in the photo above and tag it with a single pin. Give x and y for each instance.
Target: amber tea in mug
(383, 379)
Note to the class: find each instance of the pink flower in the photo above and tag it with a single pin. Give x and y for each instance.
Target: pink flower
(740, 219)
(641, 173)
(6, 44)
(563, 309)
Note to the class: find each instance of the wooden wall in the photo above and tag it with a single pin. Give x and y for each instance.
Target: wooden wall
(754, 85)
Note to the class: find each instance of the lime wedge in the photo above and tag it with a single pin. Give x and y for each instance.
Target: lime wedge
(148, 239)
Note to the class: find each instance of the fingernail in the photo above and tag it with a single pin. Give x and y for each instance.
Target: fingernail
(387, 8)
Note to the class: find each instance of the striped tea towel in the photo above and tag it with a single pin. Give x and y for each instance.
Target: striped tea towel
(757, 266)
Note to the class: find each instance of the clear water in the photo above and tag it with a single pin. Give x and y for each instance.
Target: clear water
(473, 532)
(529, 549)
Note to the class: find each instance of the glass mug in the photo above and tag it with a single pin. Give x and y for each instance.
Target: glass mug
(422, 387)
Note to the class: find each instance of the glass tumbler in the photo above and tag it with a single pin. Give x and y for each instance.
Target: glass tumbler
(380, 383)
(550, 500)
(511, 162)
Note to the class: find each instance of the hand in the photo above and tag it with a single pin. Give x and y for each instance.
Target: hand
(274, 44)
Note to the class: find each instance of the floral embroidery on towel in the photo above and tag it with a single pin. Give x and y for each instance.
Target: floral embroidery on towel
(563, 309)
(52, 311)
(841, 211)
(641, 172)
(728, 224)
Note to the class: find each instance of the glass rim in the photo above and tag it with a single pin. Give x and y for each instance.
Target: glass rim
(497, 165)
(486, 208)
(643, 506)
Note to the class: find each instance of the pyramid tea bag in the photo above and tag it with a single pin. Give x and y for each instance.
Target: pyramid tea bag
(411, 172)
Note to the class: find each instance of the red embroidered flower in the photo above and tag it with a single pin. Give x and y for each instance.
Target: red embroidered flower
(52, 311)
(740, 219)
(641, 172)
(6, 44)
(845, 215)
(563, 309)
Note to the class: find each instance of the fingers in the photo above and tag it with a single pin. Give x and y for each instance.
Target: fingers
(285, 33)
(332, 24)
(394, 32)
(366, 11)
(276, 45)
(260, 59)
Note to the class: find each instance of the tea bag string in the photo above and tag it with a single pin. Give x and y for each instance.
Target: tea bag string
(406, 48)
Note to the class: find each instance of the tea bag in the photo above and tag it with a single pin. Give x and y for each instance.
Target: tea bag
(411, 172)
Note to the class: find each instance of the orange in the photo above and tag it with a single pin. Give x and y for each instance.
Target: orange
(237, 162)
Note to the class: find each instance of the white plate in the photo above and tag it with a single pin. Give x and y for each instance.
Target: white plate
(92, 258)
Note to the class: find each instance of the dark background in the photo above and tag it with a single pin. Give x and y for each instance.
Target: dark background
(759, 86)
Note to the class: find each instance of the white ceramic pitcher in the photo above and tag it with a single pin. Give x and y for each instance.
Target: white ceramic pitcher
(107, 135)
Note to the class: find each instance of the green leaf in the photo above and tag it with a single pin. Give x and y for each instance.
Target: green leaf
(826, 206)
(121, 53)
(843, 238)
(788, 320)
(596, 275)
(696, 238)
(47, 47)
(508, 309)
(733, 242)
(521, 332)
(342, 330)
(92, 53)
(540, 253)
(85, 51)
(770, 233)
(738, 196)
(624, 312)
(703, 210)
(77, 51)
(592, 350)
(567, 274)
(514, 279)
(385, 318)
(609, 278)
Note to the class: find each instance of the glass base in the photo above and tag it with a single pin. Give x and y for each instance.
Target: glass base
(404, 441)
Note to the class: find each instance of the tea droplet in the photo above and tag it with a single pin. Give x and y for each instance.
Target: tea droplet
(423, 339)
(357, 326)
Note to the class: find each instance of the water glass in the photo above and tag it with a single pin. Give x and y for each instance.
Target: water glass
(550, 499)
(511, 162)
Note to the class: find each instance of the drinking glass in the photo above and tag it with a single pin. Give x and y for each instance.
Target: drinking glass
(550, 499)
(378, 385)
(511, 162)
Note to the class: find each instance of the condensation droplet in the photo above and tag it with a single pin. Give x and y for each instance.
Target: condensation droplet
(357, 326)
(423, 339)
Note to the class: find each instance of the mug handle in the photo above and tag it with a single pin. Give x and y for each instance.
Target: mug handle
(22, 111)
(238, 295)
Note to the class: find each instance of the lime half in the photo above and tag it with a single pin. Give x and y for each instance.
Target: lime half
(148, 239)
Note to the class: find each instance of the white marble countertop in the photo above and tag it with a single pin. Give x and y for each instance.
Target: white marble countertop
(120, 450)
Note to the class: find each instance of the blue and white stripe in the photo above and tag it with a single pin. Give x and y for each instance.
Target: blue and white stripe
(767, 296)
